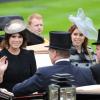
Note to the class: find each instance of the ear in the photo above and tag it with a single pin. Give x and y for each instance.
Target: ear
(54, 54)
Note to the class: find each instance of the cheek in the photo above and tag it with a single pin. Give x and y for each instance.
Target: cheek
(72, 38)
(10, 41)
(98, 52)
(21, 40)
(82, 40)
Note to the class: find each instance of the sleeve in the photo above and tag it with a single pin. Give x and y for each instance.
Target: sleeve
(96, 72)
(33, 66)
(88, 76)
(33, 84)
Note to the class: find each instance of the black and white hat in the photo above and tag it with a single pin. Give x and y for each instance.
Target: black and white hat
(17, 26)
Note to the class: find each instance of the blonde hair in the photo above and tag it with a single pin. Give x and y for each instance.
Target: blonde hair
(34, 15)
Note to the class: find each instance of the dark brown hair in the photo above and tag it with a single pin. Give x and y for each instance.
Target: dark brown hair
(85, 43)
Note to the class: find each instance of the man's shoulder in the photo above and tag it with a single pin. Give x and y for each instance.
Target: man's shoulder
(45, 69)
(95, 67)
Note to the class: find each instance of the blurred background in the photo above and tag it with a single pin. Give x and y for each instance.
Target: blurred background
(55, 12)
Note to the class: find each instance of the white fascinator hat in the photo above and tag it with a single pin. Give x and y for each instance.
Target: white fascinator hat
(84, 24)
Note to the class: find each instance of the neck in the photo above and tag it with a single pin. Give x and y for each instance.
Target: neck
(78, 48)
(14, 51)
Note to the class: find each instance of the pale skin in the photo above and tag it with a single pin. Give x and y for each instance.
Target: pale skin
(3, 67)
(54, 56)
(15, 41)
(36, 26)
(98, 53)
(77, 39)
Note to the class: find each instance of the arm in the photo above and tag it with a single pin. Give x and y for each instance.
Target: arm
(3, 67)
(32, 84)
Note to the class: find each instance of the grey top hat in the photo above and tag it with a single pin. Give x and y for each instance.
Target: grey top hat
(17, 26)
(60, 40)
(98, 39)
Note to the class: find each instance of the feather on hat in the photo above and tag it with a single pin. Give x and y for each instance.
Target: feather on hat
(84, 24)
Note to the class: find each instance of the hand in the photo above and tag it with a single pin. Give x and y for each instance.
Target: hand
(3, 90)
(3, 63)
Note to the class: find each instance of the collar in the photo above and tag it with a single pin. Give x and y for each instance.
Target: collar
(67, 59)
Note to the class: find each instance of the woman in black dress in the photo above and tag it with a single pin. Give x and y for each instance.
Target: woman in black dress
(21, 62)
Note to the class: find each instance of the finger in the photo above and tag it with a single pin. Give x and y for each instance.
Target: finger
(6, 62)
(2, 59)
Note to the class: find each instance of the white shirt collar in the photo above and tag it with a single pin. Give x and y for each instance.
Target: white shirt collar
(66, 59)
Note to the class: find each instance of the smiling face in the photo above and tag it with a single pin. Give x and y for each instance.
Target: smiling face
(77, 38)
(15, 41)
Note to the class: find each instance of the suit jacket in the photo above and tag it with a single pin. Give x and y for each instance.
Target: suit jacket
(96, 72)
(41, 80)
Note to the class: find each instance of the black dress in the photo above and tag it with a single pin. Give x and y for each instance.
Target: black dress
(20, 67)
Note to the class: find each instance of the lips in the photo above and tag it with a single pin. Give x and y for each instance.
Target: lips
(77, 41)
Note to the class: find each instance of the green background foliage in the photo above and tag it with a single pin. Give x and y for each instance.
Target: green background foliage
(55, 12)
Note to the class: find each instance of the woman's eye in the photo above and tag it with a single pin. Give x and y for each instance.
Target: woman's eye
(81, 34)
(13, 36)
(75, 34)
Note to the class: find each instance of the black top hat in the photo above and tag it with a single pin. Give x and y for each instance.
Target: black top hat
(5, 19)
(98, 40)
(60, 40)
(17, 26)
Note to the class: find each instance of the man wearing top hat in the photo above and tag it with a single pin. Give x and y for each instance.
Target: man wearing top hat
(60, 43)
(96, 68)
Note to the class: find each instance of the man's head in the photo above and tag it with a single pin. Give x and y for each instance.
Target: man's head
(60, 43)
(97, 43)
(35, 23)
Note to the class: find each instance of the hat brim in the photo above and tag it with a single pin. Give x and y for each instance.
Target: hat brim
(32, 38)
(54, 47)
(96, 43)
